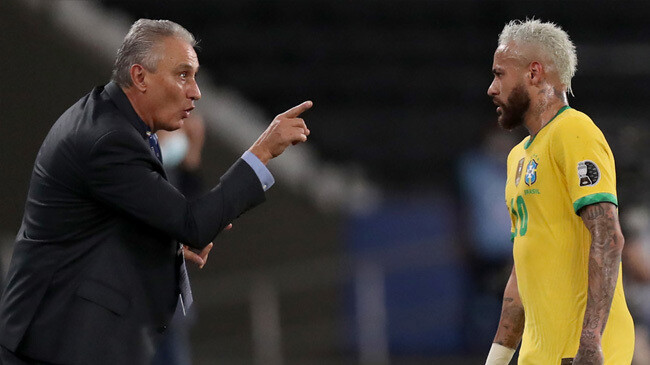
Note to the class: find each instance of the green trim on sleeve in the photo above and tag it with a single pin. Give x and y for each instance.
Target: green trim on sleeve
(593, 199)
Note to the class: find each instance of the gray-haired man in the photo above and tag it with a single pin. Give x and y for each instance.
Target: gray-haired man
(97, 270)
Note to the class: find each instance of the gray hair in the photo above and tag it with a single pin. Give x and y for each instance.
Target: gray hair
(138, 47)
(550, 39)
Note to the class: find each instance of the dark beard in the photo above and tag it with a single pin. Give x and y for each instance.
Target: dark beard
(512, 114)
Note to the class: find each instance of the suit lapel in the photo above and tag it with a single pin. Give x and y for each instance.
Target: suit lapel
(123, 104)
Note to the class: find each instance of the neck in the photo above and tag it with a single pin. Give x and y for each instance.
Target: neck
(138, 103)
(549, 102)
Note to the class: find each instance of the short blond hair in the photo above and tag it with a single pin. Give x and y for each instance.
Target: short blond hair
(550, 39)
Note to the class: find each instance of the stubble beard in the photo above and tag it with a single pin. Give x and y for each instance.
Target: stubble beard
(512, 113)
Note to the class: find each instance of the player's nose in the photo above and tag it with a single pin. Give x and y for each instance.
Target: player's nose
(492, 89)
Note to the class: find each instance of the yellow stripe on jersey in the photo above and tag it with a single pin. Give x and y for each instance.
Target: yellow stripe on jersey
(567, 166)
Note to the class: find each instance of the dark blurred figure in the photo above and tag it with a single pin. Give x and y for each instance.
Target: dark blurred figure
(182, 152)
(482, 175)
(636, 268)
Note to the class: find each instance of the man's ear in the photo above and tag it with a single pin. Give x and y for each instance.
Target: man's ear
(535, 73)
(138, 74)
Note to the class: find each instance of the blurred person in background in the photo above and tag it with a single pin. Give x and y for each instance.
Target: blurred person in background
(481, 174)
(636, 266)
(564, 300)
(97, 269)
(182, 150)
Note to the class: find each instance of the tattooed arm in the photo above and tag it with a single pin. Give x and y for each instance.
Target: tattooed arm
(604, 258)
(511, 325)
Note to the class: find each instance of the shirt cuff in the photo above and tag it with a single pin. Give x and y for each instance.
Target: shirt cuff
(266, 179)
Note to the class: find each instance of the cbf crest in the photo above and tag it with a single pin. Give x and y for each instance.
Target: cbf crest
(531, 172)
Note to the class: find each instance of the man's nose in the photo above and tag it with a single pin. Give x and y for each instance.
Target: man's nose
(194, 92)
(492, 89)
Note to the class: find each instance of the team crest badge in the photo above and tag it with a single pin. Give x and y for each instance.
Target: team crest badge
(588, 173)
(520, 168)
(531, 172)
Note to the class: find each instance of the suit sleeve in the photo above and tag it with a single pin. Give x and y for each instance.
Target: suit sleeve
(123, 174)
(583, 155)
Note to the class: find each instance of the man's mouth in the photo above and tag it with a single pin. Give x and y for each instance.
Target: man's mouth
(186, 112)
(499, 109)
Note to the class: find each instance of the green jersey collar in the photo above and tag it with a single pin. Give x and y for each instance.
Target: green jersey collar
(530, 139)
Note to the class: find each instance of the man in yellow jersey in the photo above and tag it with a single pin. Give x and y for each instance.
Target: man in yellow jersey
(564, 300)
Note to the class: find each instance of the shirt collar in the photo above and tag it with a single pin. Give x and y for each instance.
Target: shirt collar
(119, 98)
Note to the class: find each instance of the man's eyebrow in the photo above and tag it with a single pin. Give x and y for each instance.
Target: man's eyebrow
(187, 66)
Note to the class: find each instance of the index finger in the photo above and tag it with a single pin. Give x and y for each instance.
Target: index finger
(298, 109)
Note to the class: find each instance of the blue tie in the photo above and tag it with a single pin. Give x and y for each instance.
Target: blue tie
(153, 144)
(186, 298)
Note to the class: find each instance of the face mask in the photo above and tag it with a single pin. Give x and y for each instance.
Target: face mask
(174, 148)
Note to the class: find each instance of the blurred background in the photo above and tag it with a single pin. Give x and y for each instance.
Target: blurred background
(386, 238)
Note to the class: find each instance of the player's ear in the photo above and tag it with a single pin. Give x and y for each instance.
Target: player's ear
(535, 72)
(138, 77)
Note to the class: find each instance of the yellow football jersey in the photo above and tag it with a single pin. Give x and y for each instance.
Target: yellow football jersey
(565, 167)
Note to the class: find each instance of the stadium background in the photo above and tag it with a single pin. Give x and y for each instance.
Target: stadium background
(364, 259)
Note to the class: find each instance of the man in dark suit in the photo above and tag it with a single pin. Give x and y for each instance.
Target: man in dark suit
(97, 271)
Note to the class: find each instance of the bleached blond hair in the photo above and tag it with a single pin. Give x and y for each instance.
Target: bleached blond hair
(550, 39)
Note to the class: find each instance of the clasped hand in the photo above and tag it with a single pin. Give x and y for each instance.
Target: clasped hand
(200, 258)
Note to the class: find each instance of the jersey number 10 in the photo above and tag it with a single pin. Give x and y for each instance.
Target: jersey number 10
(521, 213)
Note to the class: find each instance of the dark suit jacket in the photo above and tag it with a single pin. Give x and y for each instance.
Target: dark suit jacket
(94, 274)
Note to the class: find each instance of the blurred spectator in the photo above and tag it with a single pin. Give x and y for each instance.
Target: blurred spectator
(482, 176)
(635, 222)
(181, 151)
(632, 167)
(182, 155)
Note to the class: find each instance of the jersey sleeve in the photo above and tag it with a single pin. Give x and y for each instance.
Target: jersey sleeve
(584, 157)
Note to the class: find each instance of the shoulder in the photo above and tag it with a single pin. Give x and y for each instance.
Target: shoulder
(94, 122)
(575, 123)
(575, 130)
(99, 119)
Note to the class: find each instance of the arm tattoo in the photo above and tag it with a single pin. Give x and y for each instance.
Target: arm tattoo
(592, 212)
(511, 325)
(604, 257)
